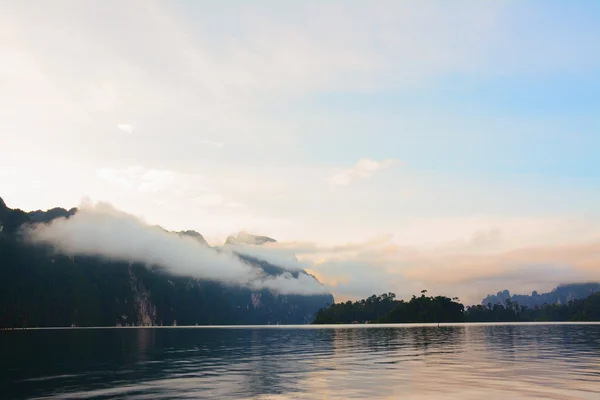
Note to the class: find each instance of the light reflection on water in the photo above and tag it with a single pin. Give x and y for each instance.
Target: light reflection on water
(554, 361)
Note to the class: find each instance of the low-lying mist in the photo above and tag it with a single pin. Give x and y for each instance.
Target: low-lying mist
(101, 230)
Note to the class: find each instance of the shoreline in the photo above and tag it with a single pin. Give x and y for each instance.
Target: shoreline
(313, 326)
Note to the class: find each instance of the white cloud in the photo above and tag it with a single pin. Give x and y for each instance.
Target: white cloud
(268, 252)
(363, 169)
(126, 128)
(100, 230)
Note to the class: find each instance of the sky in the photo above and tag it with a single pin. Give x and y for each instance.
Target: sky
(394, 145)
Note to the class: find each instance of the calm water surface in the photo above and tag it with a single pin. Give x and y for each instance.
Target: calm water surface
(387, 362)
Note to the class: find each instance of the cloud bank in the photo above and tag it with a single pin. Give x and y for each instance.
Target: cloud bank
(272, 253)
(470, 269)
(101, 230)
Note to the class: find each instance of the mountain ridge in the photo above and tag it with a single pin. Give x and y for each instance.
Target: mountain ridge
(562, 294)
(42, 287)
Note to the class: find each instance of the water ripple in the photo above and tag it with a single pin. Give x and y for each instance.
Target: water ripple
(549, 361)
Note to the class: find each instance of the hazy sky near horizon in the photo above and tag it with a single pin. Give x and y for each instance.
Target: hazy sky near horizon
(453, 144)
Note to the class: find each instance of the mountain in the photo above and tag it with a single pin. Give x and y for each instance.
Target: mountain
(247, 238)
(40, 287)
(195, 235)
(559, 295)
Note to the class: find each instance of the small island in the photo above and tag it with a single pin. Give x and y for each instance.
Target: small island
(386, 308)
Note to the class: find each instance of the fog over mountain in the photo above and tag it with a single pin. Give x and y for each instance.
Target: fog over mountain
(487, 262)
(101, 230)
(97, 266)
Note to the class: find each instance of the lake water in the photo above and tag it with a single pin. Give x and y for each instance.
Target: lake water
(530, 361)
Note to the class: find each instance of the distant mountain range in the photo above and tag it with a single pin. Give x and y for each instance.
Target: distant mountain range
(559, 295)
(40, 287)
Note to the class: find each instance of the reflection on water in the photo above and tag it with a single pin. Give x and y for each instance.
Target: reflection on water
(420, 362)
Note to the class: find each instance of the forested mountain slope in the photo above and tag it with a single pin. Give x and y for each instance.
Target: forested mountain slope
(40, 287)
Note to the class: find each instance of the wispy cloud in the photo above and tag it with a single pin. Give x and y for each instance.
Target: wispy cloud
(127, 128)
(363, 169)
(470, 269)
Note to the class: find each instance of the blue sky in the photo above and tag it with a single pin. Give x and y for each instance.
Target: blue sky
(426, 124)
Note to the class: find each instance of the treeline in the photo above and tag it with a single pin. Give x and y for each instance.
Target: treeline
(426, 309)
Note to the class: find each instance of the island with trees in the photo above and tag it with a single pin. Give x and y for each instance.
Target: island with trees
(386, 308)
